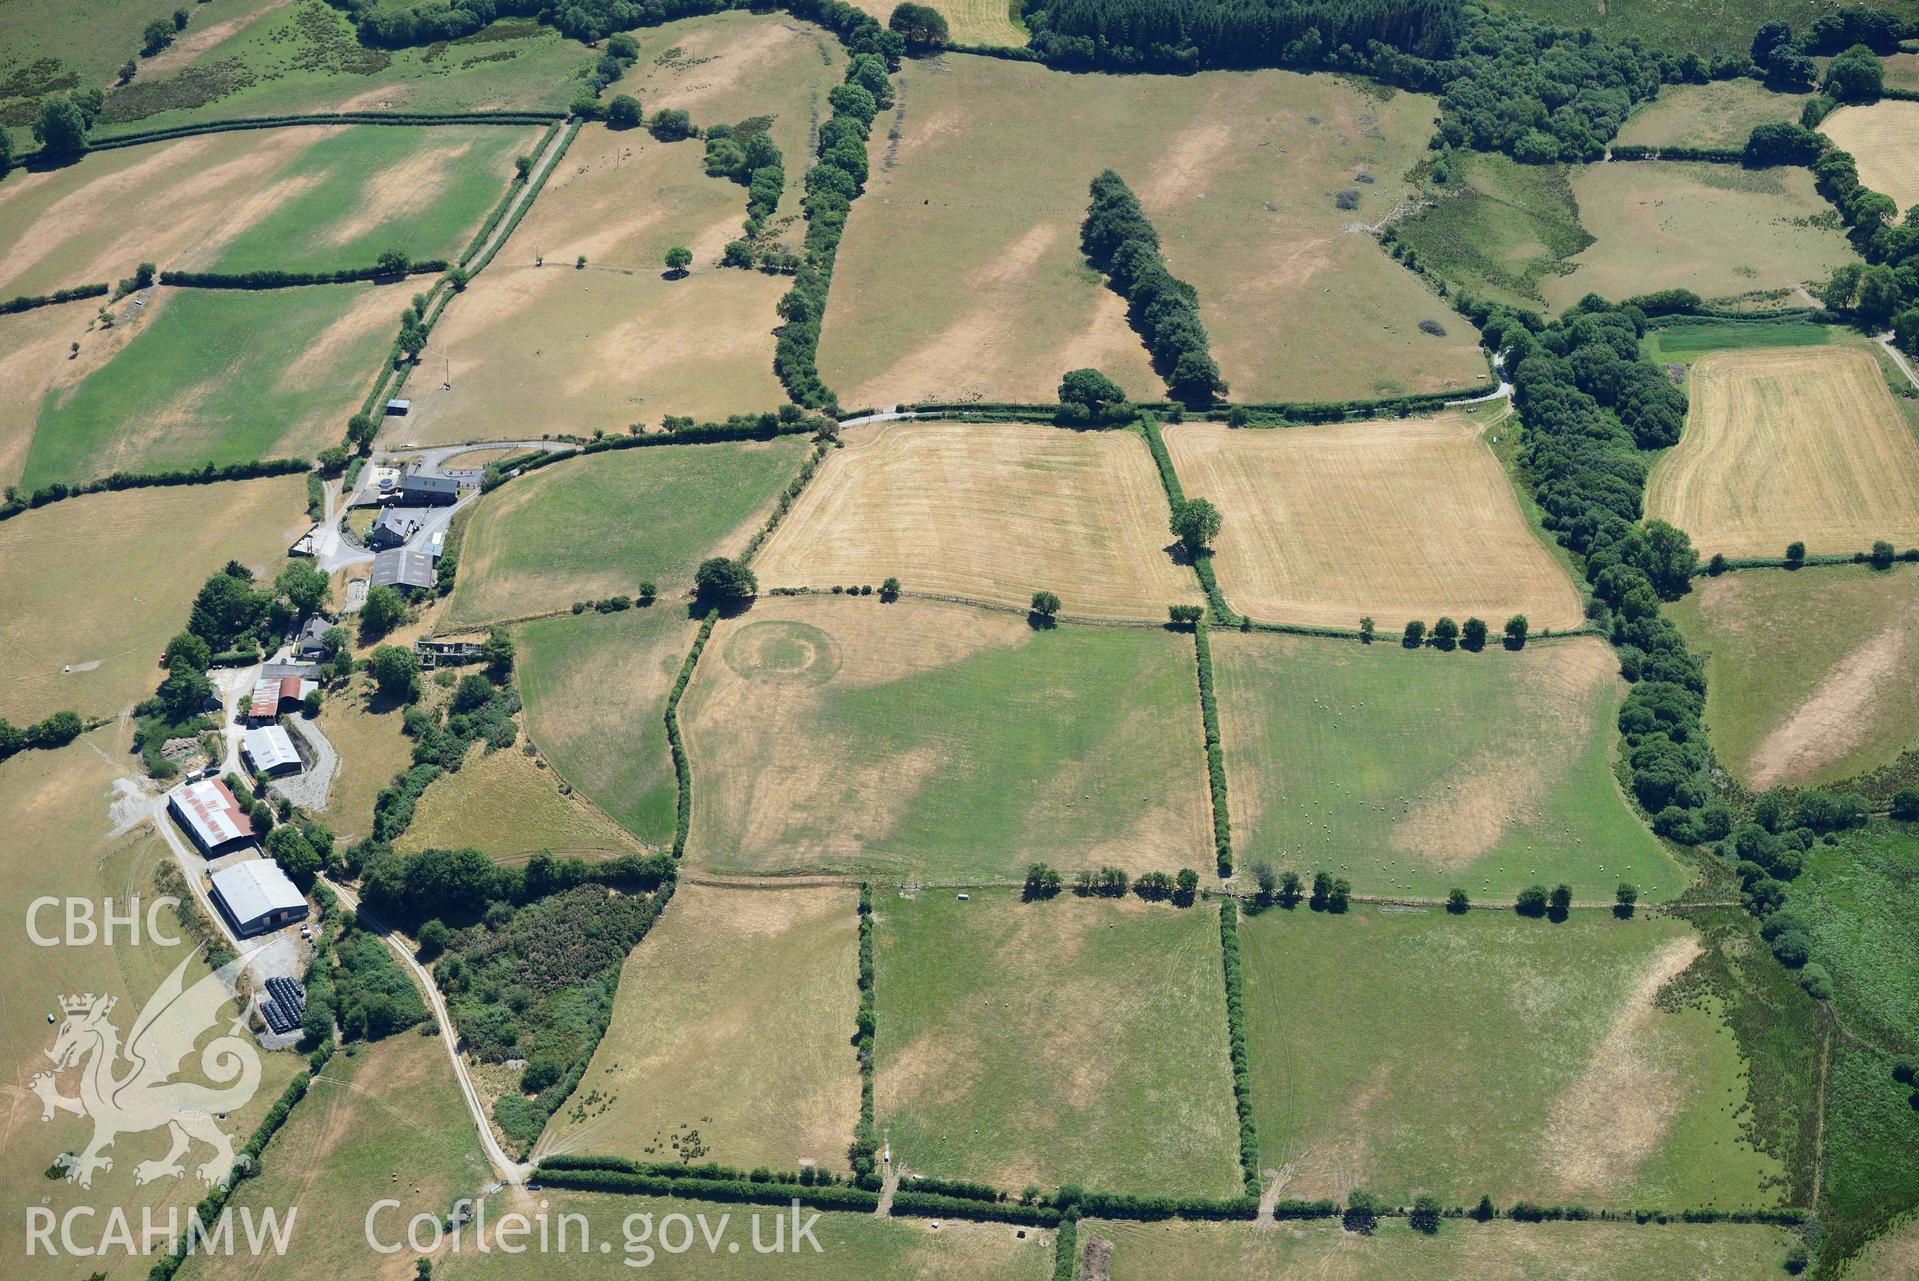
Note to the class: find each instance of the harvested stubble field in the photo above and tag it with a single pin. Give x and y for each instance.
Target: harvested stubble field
(1392, 520)
(731, 1036)
(586, 528)
(1599, 1095)
(1499, 1251)
(727, 68)
(220, 376)
(91, 588)
(59, 845)
(970, 21)
(1884, 139)
(508, 806)
(392, 1106)
(935, 741)
(535, 349)
(851, 1245)
(1811, 676)
(595, 688)
(961, 276)
(1071, 1041)
(1411, 773)
(1721, 113)
(1718, 230)
(1790, 444)
(990, 512)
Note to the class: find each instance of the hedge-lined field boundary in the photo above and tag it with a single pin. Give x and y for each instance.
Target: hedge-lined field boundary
(167, 133)
(1236, 1043)
(270, 278)
(682, 770)
(1176, 495)
(1301, 412)
(506, 201)
(211, 473)
(28, 302)
(1215, 754)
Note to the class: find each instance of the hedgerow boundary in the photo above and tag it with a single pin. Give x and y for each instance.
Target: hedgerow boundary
(134, 138)
(1273, 413)
(28, 302)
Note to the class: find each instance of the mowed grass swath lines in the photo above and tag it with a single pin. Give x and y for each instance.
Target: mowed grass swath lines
(508, 805)
(939, 742)
(376, 1110)
(595, 688)
(968, 21)
(1790, 445)
(1718, 230)
(731, 1037)
(1884, 139)
(1599, 1096)
(1499, 1251)
(990, 512)
(1811, 676)
(91, 588)
(855, 1245)
(962, 277)
(535, 349)
(59, 846)
(220, 376)
(1388, 520)
(600, 526)
(1070, 1041)
(1411, 773)
(34, 354)
(1721, 113)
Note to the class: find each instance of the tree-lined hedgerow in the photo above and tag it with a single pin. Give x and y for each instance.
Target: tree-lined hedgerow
(682, 770)
(267, 278)
(17, 502)
(1215, 756)
(27, 302)
(1236, 1041)
(1175, 497)
(1118, 239)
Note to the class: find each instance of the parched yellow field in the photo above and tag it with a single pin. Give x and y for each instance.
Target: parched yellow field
(1718, 230)
(508, 806)
(1392, 520)
(967, 21)
(734, 1022)
(534, 350)
(1721, 113)
(961, 276)
(1785, 444)
(1884, 139)
(34, 355)
(91, 588)
(366, 732)
(987, 511)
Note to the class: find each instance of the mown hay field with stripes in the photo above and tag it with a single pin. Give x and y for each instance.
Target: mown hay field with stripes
(1790, 445)
(1388, 520)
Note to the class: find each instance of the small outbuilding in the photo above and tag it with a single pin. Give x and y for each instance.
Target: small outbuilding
(399, 408)
(211, 817)
(256, 896)
(269, 750)
(404, 569)
(429, 491)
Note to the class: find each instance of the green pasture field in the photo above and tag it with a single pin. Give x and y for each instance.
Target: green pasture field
(1497, 1251)
(1498, 229)
(220, 376)
(762, 981)
(595, 688)
(1872, 1130)
(1812, 675)
(851, 1245)
(922, 740)
(961, 275)
(507, 805)
(1707, 27)
(1719, 230)
(59, 845)
(590, 527)
(365, 730)
(1722, 113)
(1598, 1096)
(1857, 900)
(1070, 1041)
(422, 190)
(304, 57)
(1410, 773)
(378, 1109)
(1683, 344)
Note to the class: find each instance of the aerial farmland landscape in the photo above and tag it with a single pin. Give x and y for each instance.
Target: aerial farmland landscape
(980, 640)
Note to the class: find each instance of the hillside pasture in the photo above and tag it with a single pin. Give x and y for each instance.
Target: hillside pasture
(34, 355)
(1884, 139)
(1720, 113)
(924, 740)
(1497, 1251)
(961, 276)
(91, 588)
(762, 981)
(1785, 445)
(366, 731)
(585, 528)
(1392, 520)
(1601, 1096)
(595, 688)
(989, 512)
(218, 376)
(1811, 676)
(1411, 773)
(1071, 1041)
(533, 350)
(1719, 230)
(508, 805)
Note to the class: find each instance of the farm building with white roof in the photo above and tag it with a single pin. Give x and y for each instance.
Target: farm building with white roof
(256, 896)
(211, 816)
(269, 749)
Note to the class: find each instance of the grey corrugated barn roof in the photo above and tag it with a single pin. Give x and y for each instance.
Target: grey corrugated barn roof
(403, 567)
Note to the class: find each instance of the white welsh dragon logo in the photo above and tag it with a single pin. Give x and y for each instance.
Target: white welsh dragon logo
(130, 1090)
